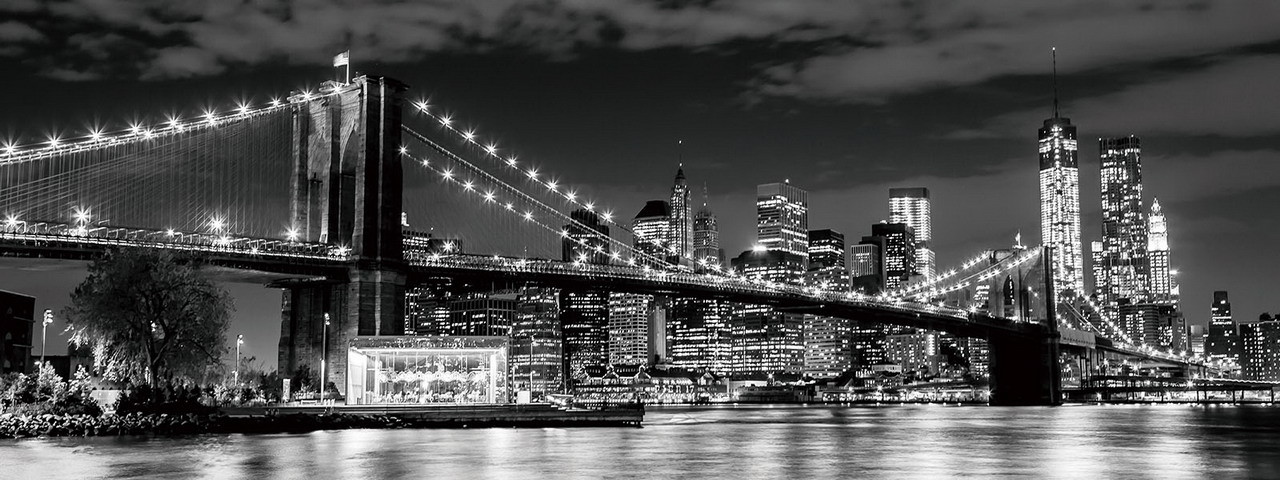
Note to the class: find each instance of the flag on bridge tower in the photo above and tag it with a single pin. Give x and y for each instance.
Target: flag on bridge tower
(342, 59)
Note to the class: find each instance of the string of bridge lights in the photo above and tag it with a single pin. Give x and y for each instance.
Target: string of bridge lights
(490, 151)
(54, 145)
(1101, 314)
(980, 276)
(480, 171)
(939, 279)
(492, 197)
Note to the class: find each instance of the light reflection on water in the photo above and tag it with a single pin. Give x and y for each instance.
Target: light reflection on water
(726, 442)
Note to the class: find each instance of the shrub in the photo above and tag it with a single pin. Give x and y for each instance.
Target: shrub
(47, 393)
(168, 399)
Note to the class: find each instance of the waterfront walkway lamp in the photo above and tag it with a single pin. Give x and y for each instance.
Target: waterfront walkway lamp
(44, 329)
(530, 367)
(324, 354)
(239, 342)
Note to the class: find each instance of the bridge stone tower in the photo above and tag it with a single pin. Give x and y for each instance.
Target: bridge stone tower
(347, 192)
(1025, 367)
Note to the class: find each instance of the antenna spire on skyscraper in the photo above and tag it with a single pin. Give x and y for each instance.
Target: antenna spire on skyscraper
(1054, 52)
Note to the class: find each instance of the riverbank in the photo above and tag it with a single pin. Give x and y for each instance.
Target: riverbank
(307, 419)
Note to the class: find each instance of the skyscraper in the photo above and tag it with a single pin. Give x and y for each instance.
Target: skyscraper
(766, 341)
(584, 319)
(587, 239)
(1223, 342)
(899, 253)
(681, 232)
(865, 266)
(1124, 224)
(536, 350)
(782, 219)
(1261, 342)
(651, 229)
(827, 264)
(700, 338)
(706, 236)
(1060, 200)
(629, 328)
(911, 206)
(1160, 280)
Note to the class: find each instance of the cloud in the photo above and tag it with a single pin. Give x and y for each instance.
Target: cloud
(865, 51)
(1232, 98)
(1216, 174)
(963, 43)
(15, 32)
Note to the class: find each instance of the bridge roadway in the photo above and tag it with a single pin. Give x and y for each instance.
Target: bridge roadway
(72, 242)
(730, 288)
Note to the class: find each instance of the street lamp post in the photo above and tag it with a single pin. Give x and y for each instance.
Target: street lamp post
(531, 367)
(44, 329)
(239, 342)
(324, 354)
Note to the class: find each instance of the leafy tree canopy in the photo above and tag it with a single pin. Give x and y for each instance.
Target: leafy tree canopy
(148, 317)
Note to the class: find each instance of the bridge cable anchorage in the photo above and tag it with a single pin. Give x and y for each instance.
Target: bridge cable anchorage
(526, 198)
(490, 150)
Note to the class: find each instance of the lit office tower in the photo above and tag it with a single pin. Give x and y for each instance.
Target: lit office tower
(827, 346)
(827, 339)
(827, 265)
(536, 344)
(1124, 224)
(706, 236)
(782, 219)
(651, 229)
(699, 334)
(911, 206)
(587, 240)
(681, 231)
(1161, 286)
(584, 319)
(1222, 343)
(481, 313)
(898, 253)
(1261, 342)
(766, 341)
(629, 328)
(865, 267)
(1060, 201)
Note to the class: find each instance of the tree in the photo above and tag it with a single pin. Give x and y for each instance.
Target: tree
(149, 317)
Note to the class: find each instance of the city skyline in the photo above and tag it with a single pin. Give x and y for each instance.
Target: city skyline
(898, 131)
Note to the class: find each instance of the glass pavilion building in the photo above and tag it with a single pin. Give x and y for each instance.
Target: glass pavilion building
(427, 370)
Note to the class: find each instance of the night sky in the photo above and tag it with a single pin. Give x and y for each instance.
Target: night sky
(844, 100)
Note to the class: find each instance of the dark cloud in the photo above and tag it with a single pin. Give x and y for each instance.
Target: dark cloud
(1233, 97)
(961, 43)
(15, 32)
(901, 47)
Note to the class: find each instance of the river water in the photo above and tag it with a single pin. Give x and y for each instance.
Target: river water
(925, 441)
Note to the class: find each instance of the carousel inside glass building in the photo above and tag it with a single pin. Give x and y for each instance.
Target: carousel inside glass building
(427, 370)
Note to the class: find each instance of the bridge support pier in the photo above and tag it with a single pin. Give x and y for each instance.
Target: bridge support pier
(1024, 370)
(347, 192)
(369, 302)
